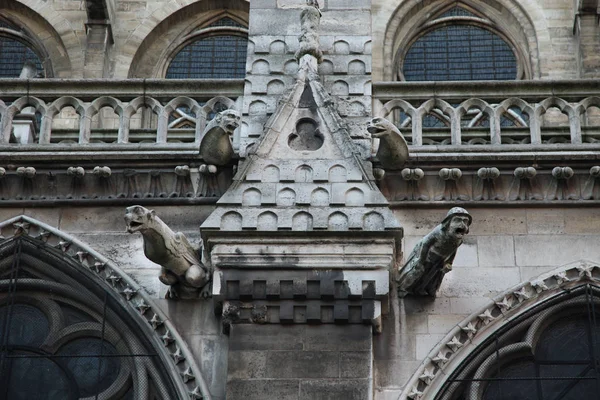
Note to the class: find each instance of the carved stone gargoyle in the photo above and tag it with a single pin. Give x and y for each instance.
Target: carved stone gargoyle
(216, 141)
(180, 263)
(432, 257)
(392, 151)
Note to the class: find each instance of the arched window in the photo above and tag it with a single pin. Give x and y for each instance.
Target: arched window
(545, 354)
(16, 49)
(65, 334)
(217, 51)
(459, 45)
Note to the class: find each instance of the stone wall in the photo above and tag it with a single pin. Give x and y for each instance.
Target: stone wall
(504, 248)
(300, 362)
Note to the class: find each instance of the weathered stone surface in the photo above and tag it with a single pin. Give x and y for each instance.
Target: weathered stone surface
(355, 364)
(267, 337)
(479, 282)
(338, 338)
(247, 365)
(258, 389)
(496, 251)
(321, 389)
(304, 364)
(555, 250)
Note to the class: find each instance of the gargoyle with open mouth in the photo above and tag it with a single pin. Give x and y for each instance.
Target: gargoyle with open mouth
(432, 257)
(181, 267)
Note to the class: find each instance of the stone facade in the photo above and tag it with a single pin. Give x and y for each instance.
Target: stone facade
(305, 237)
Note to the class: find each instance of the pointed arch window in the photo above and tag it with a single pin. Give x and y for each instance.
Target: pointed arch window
(459, 45)
(64, 334)
(16, 48)
(217, 51)
(547, 354)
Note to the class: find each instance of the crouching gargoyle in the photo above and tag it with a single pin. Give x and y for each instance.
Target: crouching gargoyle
(216, 141)
(180, 263)
(432, 257)
(392, 151)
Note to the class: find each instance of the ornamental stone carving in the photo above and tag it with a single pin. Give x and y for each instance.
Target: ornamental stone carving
(215, 144)
(310, 19)
(181, 268)
(432, 257)
(392, 150)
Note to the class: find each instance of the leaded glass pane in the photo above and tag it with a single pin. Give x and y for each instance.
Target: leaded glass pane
(89, 361)
(509, 389)
(457, 12)
(215, 57)
(13, 55)
(226, 22)
(28, 325)
(460, 52)
(27, 375)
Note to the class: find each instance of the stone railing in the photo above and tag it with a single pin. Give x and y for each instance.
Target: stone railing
(47, 111)
(492, 112)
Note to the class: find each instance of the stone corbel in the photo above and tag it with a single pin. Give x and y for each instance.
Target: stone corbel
(562, 187)
(450, 186)
(487, 185)
(412, 177)
(27, 189)
(77, 183)
(524, 185)
(591, 187)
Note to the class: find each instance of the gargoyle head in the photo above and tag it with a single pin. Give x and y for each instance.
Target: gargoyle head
(457, 222)
(228, 120)
(379, 127)
(137, 218)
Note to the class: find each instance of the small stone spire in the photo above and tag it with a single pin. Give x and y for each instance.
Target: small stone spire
(310, 19)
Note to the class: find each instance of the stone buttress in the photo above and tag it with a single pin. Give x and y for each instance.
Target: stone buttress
(302, 245)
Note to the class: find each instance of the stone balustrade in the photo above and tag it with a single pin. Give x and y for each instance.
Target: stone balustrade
(492, 112)
(136, 110)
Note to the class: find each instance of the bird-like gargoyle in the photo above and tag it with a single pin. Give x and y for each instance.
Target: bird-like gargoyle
(432, 257)
(181, 268)
(216, 142)
(392, 151)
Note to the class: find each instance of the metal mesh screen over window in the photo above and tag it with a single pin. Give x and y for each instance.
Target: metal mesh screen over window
(458, 53)
(215, 57)
(63, 339)
(457, 12)
(226, 22)
(553, 355)
(13, 55)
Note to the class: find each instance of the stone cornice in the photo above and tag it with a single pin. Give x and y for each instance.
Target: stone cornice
(90, 89)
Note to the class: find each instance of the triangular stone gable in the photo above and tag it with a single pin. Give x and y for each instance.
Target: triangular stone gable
(304, 174)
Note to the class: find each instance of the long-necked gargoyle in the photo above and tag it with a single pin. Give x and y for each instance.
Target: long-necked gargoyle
(392, 150)
(181, 267)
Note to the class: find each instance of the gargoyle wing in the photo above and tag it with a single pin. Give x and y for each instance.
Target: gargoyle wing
(180, 246)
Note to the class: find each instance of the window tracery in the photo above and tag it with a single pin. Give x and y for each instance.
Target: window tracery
(64, 336)
(544, 355)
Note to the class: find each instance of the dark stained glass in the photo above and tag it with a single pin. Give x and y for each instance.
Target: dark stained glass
(214, 57)
(226, 22)
(457, 12)
(13, 55)
(93, 373)
(458, 53)
(23, 318)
